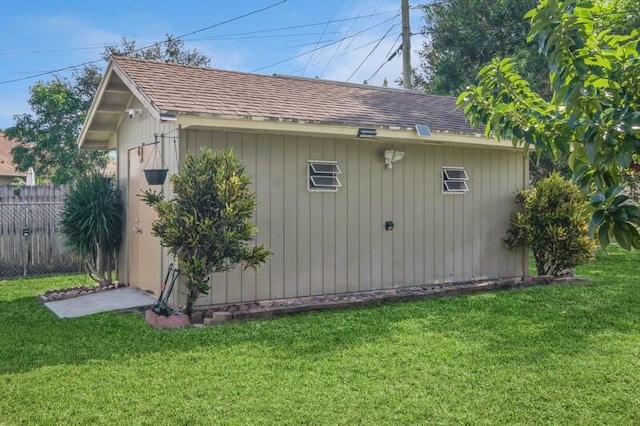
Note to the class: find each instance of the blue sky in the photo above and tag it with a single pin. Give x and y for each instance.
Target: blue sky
(40, 36)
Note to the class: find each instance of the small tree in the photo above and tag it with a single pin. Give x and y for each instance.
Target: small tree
(91, 223)
(207, 225)
(553, 224)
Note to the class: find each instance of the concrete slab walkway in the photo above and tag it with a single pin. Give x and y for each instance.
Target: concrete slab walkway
(113, 300)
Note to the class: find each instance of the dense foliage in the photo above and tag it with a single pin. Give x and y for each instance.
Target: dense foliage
(47, 138)
(91, 223)
(593, 116)
(461, 36)
(170, 50)
(208, 224)
(553, 224)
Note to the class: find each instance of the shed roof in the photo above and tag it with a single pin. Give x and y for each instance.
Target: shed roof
(6, 158)
(191, 90)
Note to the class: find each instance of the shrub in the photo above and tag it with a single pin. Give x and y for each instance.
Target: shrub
(553, 223)
(91, 223)
(207, 226)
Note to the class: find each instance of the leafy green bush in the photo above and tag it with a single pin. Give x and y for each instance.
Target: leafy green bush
(553, 223)
(91, 223)
(207, 226)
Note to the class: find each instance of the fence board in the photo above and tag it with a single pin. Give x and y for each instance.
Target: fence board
(42, 251)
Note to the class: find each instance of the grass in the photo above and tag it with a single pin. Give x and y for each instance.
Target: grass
(554, 355)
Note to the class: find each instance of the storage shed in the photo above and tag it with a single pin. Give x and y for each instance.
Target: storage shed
(358, 187)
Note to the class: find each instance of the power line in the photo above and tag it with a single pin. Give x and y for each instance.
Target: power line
(373, 50)
(389, 57)
(324, 46)
(232, 36)
(338, 48)
(149, 46)
(344, 53)
(326, 27)
(294, 27)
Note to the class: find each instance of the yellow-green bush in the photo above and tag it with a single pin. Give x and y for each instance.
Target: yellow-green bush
(554, 224)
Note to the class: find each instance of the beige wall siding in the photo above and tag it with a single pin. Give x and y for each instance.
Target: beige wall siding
(336, 242)
(133, 133)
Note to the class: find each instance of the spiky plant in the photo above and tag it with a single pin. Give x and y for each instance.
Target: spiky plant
(91, 224)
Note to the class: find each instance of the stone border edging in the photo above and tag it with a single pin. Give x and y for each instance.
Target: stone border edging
(71, 292)
(266, 309)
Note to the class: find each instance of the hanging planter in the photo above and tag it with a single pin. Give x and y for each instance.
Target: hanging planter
(155, 176)
(158, 175)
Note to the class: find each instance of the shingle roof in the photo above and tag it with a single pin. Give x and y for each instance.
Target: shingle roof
(6, 159)
(204, 91)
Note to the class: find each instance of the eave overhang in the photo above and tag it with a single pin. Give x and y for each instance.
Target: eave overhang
(112, 99)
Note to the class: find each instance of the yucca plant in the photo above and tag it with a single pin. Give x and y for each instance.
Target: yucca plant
(91, 224)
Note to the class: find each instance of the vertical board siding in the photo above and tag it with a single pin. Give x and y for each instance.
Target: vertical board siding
(364, 218)
(315, 225)
(304, 219)
(290, 201)
(376, 225)
(341, 240)
(333, 242)
(328, 241)
(277, 211)
(350, 177)
(438, 247)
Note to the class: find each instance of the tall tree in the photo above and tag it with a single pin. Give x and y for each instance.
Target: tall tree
(593, 116)
(47, 137)
(170, 50)
(464, 35)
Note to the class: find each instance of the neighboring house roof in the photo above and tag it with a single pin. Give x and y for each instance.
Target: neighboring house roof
(193, 93)
(6, 158)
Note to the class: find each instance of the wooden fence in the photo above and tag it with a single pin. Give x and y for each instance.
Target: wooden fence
(30, 241)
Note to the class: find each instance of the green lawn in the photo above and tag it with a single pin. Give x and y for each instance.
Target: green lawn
(554, 355)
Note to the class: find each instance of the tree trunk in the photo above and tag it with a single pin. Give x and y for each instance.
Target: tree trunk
(192, 296)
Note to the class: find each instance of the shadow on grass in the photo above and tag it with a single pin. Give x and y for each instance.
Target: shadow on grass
(513, 327)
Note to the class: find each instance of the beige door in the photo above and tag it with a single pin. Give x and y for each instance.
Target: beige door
(144, 248)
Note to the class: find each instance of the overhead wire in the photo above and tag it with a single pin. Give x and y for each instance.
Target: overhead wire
(388, 57)
(231, 36)
(338, 48)
(344, 53)
(326, 27)
(323, 46)
(374, 48)
(180, 37)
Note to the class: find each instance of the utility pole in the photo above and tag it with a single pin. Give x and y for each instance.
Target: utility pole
(406, 46)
